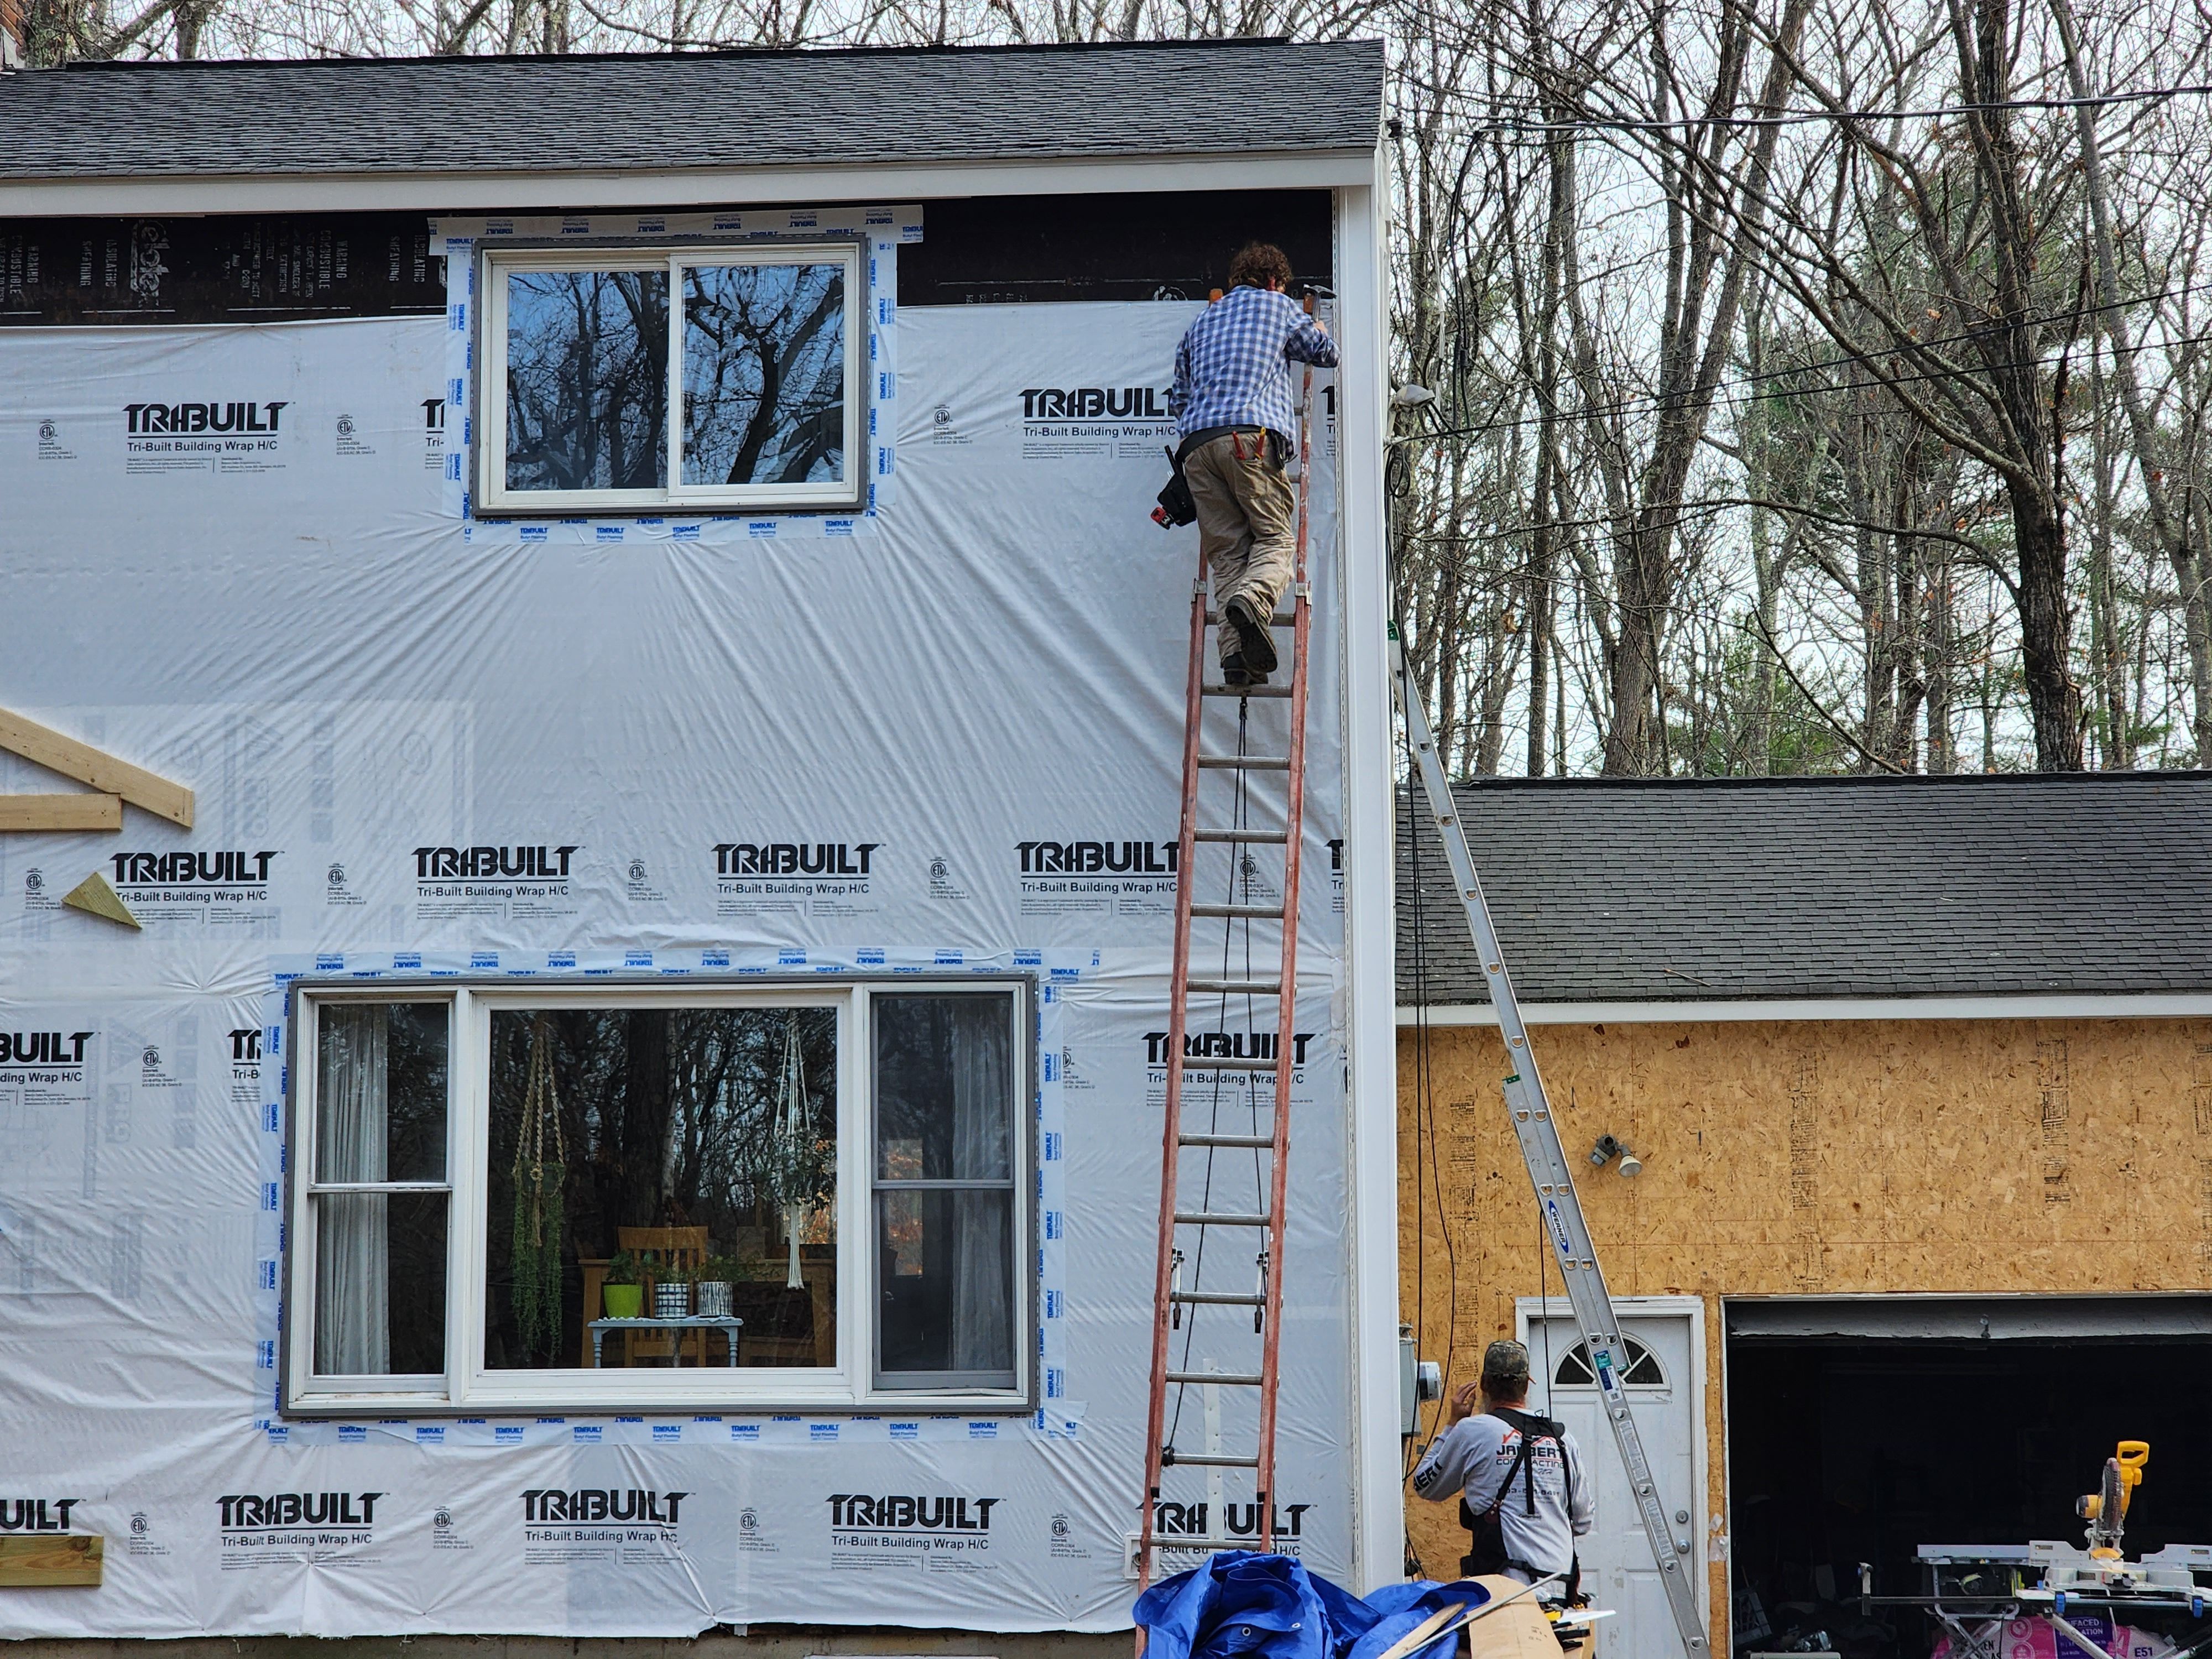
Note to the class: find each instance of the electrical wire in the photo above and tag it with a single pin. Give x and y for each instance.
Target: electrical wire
(1731, 391)
(1425, 1126)
(1808, 118)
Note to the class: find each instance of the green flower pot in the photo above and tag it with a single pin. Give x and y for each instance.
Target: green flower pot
(623, 1301)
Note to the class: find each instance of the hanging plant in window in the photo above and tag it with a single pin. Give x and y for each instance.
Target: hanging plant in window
(793, 1164)
(539, 1180)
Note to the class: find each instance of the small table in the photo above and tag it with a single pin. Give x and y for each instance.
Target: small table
(728, 1325)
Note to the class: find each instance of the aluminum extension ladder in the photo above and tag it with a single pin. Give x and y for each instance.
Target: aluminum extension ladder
(1231, 1318)
(1530, 1110)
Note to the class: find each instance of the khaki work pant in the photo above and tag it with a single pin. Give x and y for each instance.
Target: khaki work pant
(1247, 524)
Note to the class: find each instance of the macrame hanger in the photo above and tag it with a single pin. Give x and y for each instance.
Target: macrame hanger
(791, 1131)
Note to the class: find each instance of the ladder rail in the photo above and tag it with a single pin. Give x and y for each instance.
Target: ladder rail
(1287, 986)
(1529, 1109)
(1171, 1148)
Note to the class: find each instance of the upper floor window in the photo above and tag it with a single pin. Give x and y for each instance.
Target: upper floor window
(627, 380)
(531, 1199)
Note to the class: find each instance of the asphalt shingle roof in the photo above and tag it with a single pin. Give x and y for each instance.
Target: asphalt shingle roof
(443, 115)
(1651, 891)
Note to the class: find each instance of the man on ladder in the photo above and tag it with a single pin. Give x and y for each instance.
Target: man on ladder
(1523, 1487)
(1233, 407)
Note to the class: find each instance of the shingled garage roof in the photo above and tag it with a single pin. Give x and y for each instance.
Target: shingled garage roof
(1720, 891)
(695, 110)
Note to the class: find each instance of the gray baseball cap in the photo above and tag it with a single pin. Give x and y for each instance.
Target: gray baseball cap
(1506, 1361)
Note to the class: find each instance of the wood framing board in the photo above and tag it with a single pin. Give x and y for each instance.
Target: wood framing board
(60, 812)
(52, 1560)
(94, 768)
(1797, 1158)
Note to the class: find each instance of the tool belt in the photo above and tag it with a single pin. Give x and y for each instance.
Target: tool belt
(1278, 447)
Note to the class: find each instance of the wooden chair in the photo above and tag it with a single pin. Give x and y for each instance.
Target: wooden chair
(679, 1247)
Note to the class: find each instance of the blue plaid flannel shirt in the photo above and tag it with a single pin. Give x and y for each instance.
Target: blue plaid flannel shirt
(1233, 366)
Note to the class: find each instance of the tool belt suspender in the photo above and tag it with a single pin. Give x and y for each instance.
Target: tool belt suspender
(1487, 1551)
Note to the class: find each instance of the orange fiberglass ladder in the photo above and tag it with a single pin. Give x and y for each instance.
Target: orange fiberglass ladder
(1238, 1308)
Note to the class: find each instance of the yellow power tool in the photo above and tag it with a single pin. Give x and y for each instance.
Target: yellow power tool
(2107, 1509)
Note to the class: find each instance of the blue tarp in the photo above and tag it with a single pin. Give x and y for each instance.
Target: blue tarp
(1242, 1603)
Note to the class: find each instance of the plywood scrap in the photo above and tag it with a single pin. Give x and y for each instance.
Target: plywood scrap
(60, 812)
(95, 768)
(95, 898)
(52, 1561)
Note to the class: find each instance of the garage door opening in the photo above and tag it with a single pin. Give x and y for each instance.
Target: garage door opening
(1859, 1430)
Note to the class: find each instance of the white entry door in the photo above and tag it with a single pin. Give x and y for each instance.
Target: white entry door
(1666, 1393)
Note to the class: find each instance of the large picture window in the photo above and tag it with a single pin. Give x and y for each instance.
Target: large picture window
(638, 379)
(547, 1198)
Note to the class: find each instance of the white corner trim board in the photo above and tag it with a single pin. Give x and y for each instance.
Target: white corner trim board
(2163, 1005)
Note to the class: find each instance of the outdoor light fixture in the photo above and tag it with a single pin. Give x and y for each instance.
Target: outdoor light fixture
(1412, 396)
(1609, 1148)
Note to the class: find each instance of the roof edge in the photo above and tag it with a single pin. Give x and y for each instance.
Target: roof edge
(2024, 1005)
(1843, 781)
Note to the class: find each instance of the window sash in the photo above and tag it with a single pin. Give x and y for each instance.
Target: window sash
(492, 492)
(905, 1384)
(856, 1382)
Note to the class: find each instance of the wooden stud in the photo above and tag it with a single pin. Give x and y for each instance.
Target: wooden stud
(60, 812)
(51, 1561)
(95, 768)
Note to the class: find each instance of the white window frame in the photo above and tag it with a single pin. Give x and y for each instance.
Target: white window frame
(492, 494)
(467, 1387)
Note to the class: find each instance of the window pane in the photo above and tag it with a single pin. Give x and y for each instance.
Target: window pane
(763, 374)
(380, 1284)
(943, 1088)
(380, 1092)
(586, 379)
(697, 1142)
(946, 1262)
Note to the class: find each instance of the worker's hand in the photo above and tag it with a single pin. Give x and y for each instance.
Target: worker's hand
(1464, 1400)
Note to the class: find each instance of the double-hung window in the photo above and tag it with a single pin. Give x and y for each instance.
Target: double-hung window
(640, 380)
(578, 1197)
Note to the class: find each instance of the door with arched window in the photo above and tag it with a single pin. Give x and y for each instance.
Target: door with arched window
(1664, 1382)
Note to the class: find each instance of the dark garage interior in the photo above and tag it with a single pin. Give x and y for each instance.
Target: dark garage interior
(1900, 1428)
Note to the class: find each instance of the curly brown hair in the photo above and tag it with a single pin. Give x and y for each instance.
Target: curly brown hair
(1260, 265)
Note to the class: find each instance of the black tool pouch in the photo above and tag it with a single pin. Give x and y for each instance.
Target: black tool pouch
(1175, 506)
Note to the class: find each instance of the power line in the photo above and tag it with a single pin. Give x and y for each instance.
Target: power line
(1806, 117)
(1732, 390)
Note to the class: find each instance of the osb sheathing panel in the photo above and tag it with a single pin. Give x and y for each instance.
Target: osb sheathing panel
(1805, 1158)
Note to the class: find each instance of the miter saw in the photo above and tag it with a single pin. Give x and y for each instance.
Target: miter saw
(1974, 1589)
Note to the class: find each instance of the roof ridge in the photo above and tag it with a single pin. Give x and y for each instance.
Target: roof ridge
(1045, 48)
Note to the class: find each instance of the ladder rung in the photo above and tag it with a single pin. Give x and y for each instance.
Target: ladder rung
(1220, 1298)
(1258, 912)
(1278, 621)
(1194, 1063)
(1241, 834)
(1244, 762)
(1260, 1142)
(1207, 1460)
(1258, 988)
(1245, 690)
(1217, 1218)
(1234, 1379)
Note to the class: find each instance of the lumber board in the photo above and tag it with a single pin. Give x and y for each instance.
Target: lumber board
(94, 768)
(51, 1561)
(52, 812)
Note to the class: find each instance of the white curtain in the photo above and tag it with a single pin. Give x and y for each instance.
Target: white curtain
(352, 1325)
(982, 1276)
